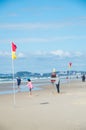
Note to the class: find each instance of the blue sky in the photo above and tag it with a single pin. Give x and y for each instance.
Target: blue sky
(47, 29)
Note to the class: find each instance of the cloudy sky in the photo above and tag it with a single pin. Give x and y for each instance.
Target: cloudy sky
(48, 33)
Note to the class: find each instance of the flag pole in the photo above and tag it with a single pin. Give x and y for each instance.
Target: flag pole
(13, 49)
(14, 101)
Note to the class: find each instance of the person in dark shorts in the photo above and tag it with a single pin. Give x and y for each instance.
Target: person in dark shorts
(57, 83)
(18, 83)
(83, 78)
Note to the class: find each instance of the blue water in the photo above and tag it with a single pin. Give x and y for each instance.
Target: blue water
(22, 89)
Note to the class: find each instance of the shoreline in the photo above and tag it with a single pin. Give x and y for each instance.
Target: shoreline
(7, 87)
(45, 109)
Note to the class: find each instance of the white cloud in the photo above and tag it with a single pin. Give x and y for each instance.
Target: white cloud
(40, 53)
(21, 55)
(61, 53)
(4, 53)
(78, 54)
(8, 54)
(58, 53)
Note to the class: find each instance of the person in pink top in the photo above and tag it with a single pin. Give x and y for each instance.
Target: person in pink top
(30, 86)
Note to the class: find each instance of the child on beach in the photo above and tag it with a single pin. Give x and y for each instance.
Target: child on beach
(30, 86)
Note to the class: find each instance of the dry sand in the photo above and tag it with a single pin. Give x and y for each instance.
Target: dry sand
(45, 109)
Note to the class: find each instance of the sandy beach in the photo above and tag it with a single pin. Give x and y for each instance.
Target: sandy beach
(45, 109)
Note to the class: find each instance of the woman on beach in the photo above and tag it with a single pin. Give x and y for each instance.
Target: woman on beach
(30, 86)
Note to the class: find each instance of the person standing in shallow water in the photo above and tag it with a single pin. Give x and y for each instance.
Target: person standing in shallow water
(18, 83)
(57, 83)
(30, 86)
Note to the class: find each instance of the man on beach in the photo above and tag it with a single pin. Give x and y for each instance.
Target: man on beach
(83, 78)
(57, 83)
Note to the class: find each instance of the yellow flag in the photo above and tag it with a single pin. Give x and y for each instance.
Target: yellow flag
(13, 55)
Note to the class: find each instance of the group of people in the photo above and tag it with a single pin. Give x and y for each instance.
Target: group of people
(54, 80)
(29, 84)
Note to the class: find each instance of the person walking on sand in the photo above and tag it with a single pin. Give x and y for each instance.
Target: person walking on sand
(57, 83)
(30, 86)
(83, 78)
(18, 83)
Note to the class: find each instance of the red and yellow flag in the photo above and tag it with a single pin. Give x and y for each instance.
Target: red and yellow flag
(14, 47)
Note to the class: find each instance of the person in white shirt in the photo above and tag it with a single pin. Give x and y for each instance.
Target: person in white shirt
(57, 83)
